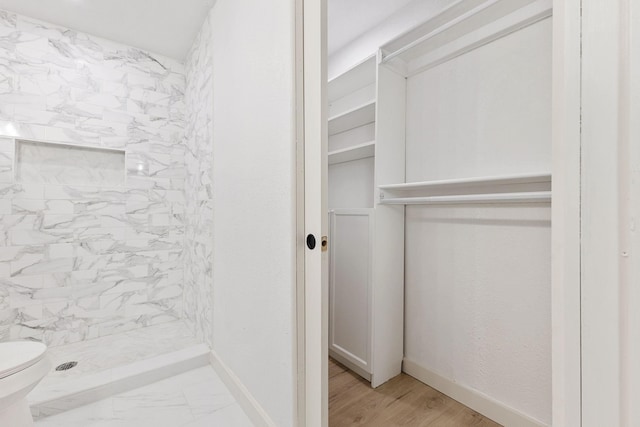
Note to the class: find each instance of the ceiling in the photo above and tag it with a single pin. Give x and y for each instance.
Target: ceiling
(167, 27)
(348, 19)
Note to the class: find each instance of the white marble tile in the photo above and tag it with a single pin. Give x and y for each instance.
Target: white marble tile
(125, 348)
(6, 207)
(96, 414)
(207, 397)
(194, 398)
(66, 164)
(63, 86)
(42, 266)
(20, 191)
(159, 403)
(231, 416)
(116, 364)
(198, 159)
(6, 144)
(6, 167)
(40, 237)
(8, 19)
(34, 206)
(61, 250)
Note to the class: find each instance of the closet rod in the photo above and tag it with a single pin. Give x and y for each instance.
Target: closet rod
(466, 14)
(522, 197)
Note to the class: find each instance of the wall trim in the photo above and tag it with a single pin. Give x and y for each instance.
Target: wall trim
(475, 400)
(245, 399)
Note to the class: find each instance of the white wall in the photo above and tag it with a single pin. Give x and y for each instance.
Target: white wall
(351, 184)
(347, 20)
(253, 192)
(368, 43)
(484, 113)
(478, 281)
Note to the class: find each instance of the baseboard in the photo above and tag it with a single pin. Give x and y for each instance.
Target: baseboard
(249, 404)
(475, 400)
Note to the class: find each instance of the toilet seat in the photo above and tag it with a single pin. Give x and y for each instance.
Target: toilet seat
(18, 355)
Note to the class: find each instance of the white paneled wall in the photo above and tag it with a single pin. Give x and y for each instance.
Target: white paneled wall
(350, 287)
(79, 261)
(478, 280)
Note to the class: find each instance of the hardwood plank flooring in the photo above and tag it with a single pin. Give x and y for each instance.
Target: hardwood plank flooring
(402, 401)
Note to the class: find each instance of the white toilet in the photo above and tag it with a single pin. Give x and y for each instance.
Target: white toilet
(22, 365)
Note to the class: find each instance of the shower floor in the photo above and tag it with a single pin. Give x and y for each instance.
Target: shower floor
(198, 398)
(120, 349)
(115, 364)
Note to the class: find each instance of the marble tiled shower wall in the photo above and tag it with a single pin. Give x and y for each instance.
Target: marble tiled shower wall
(80, 261)
(198, 273)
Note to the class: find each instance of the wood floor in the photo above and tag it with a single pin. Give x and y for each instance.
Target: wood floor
(403, 401)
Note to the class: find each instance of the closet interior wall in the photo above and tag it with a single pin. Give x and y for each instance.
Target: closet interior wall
(478, 277)
(466, 97)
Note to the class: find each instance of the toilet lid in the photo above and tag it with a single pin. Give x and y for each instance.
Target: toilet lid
(18, 355)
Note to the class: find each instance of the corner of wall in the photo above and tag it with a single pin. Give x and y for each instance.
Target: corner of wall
(198, 210)
(245, 399)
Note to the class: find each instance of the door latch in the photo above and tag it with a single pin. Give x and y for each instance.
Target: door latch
(311, 241)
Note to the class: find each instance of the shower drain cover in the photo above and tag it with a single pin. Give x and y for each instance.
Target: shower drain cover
(66, 366)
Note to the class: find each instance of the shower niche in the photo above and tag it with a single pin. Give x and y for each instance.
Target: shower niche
(67, 164)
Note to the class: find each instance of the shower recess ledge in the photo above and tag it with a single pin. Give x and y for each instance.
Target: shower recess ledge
(56, 394)
(52, 399)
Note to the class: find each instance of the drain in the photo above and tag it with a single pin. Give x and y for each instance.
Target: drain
(66, 366)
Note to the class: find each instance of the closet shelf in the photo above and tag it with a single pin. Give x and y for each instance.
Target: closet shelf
(357, 152)
(359, 76)
(522, 197)
(521, 188)
(461, 28)
(356, 117)
(452, 184)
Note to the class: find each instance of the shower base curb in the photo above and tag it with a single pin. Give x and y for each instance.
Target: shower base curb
(75, 392)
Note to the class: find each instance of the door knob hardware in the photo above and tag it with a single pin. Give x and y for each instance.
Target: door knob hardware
(311, 241)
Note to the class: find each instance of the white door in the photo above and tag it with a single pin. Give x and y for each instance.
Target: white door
(312, 301)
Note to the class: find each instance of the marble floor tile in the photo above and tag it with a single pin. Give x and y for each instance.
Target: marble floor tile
(207, 397)
(231, 416)
(194, 398)
(97, 414)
